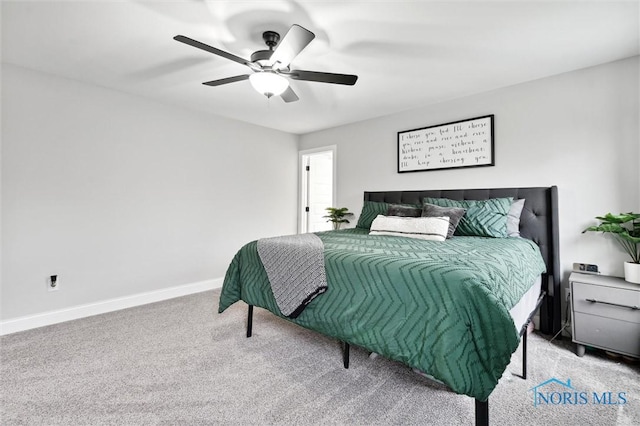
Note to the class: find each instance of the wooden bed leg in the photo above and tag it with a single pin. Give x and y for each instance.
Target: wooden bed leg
(524, 353)
(345, 355)
(482, 413)
(250, 321)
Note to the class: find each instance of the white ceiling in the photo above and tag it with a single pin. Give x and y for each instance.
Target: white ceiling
(407, 54)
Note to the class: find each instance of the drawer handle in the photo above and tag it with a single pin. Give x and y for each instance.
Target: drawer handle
(635, 308)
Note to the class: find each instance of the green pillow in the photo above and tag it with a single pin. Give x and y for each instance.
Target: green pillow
(484, 218)
(370, 210)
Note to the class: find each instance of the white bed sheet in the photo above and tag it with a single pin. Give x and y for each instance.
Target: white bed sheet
(521, 311)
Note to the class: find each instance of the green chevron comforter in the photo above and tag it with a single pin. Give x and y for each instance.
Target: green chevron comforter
(441, 307)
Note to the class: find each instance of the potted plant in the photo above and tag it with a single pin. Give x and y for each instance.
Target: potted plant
(337, 215)
(625, 227)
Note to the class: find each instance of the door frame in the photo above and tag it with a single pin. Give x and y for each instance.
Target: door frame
(302, 181)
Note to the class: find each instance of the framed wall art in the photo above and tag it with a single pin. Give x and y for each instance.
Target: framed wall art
(464, 143)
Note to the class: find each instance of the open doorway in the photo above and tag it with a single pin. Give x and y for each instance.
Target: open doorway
(317, 188)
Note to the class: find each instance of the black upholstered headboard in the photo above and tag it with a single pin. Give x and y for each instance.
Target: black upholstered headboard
(538, 222)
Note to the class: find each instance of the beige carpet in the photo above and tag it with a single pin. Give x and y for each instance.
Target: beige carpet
(178, 362)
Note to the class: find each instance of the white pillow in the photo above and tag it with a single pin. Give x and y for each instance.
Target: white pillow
(424, 228)
(513, 218)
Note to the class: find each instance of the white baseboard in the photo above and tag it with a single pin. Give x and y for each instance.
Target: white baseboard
(82, 311)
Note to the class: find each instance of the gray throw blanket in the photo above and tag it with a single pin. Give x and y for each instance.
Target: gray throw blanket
(295, 267)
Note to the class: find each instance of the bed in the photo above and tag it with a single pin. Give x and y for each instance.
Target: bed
(454, 309)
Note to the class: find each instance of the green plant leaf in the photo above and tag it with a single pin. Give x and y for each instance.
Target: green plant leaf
(625, 227)
(618, 218)
(629, 237)
(606, 227)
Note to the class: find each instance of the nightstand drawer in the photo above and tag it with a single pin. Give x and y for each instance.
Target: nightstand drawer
(614, 335)
(606, 302)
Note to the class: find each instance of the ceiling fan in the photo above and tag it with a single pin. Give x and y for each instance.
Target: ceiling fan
(270, 67)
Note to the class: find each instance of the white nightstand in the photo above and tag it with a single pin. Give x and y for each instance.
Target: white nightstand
(605, 314)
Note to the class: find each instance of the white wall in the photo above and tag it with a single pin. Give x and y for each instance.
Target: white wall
(577, 130)
(119, 195)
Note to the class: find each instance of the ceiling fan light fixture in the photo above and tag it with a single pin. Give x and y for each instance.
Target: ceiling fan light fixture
(268, 83)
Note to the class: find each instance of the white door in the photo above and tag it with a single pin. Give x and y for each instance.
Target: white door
(317, 184)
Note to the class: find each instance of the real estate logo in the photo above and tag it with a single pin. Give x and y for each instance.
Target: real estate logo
(557, 392)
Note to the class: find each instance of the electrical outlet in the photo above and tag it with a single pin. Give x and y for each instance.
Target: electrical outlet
(53, 282)
(567, 294)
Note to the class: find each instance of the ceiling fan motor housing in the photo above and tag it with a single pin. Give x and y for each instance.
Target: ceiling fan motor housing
(261, 55)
